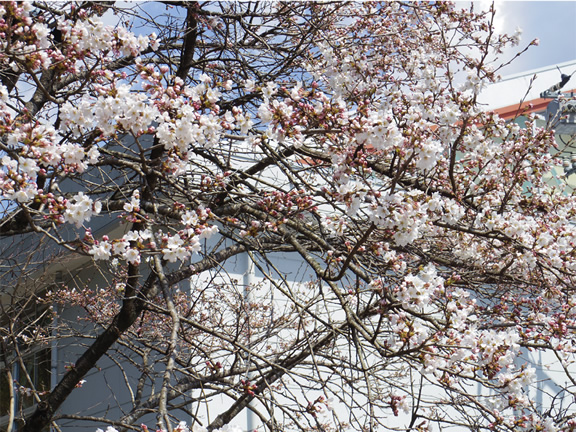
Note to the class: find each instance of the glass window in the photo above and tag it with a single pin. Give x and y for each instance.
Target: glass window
(30, 378)
(26, 379)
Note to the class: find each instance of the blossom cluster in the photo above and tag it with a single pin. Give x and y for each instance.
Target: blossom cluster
(38, 149)
(181, 117)
(95, 38)
(175, 247)
(182, 427)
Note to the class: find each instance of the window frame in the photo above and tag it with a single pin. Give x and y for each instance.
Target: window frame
(25, 367)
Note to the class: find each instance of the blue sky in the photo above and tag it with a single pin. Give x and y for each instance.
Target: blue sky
(552, 22)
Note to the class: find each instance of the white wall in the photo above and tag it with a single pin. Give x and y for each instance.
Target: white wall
(527, 85)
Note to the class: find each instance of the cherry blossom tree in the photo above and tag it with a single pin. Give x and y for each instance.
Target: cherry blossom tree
(158, 144)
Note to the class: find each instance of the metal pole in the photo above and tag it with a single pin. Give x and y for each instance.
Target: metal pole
(248, 282)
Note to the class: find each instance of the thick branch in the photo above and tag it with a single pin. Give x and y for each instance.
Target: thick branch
(131, 310)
